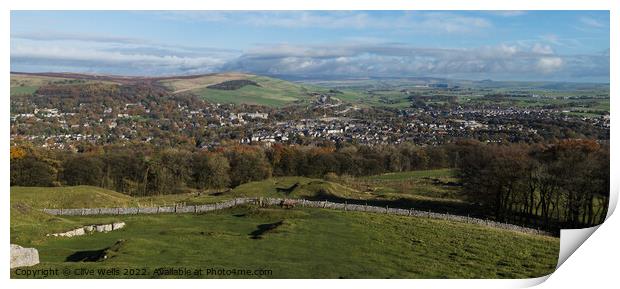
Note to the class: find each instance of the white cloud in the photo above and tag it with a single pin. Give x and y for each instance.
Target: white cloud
(549, 64)
(348, 59)
(591, 22)
(423, 22)
(93, 57)
(450, 23)
(537, 61)
(542, 49)
(57, 36)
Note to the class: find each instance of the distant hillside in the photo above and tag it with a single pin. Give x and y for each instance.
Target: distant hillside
(231, 87)
(233, 84)
(242, 88)
(29, 83)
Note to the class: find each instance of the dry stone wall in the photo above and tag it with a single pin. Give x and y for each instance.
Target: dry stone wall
(102, 228)
(179, 209)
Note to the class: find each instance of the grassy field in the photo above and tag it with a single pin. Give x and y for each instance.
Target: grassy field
(18, 90)
(33, 80)
(423, 190)
(187, 84)
(436, 173)
(69, 197)
(271, 91)
(293, 243)
(309, 243)
(28, 84)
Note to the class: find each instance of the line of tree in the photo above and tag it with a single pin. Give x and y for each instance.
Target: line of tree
(147, 170)
(563, 184)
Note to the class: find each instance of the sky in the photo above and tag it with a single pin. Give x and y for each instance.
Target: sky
(499, 45)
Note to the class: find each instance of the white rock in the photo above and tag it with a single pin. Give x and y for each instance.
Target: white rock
(21, 256)
(118, 225)
(90, 228)
(103, 228)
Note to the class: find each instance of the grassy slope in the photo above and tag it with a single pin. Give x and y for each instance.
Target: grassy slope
(313, 243)
(271, 92)
(308, 187)
(437, 173)
(32, 80)
(69, 197)
(29, 224)
(28, 84)
(408, 188)
(186, 84)
(17, 90)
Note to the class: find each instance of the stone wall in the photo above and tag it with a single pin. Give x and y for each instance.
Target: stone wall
(179, 209)
(90, 228)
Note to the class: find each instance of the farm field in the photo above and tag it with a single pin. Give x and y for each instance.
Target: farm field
(306, 243)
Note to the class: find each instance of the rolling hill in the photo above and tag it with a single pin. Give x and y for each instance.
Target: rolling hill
(267, 91)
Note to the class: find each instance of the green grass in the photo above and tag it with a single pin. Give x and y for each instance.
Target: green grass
(417, 189)
(437, 173)
(69, 197)
(307, 187)
(28, 220)
(19, 90)
(311, 243)
(271, 92)
(28, 84)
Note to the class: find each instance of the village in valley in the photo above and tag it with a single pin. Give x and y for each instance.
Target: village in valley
(319, 117)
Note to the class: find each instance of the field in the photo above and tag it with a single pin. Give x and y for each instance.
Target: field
(309, 243)
(178, 85)
(585, 99)
(414, 189)
(28, 84)
(18, 90)
(284, 243)
(270, 91)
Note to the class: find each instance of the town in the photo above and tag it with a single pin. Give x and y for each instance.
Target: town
(188, 120)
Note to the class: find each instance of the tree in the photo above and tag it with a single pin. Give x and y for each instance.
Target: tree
(210, 170)
(83, 170)
(32, 171)
(247, 166)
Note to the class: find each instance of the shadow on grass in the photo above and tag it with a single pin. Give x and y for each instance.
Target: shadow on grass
(455, 208)
(264, 228)
(94, 255)
(87, 256)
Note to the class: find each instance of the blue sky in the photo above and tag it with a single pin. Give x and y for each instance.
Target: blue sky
(499, 45)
